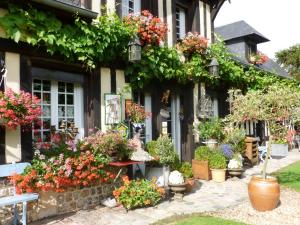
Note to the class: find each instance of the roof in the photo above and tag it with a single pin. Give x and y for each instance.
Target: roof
(240, 29)
(269, 66)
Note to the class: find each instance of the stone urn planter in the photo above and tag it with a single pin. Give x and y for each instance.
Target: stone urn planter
(218, 175)
(235, 172)
(211, 143)
(264, 194)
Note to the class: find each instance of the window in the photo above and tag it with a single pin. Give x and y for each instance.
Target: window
(252, 50)
(130, 7)
(60, 101)
(180, 23)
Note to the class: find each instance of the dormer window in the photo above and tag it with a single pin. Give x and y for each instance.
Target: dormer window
(130, 7)
(252, 50)
(180, 23)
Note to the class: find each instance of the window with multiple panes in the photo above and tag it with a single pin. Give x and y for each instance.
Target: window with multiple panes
(60, 101)
(131, 7)
(180, 23)
(252, 49)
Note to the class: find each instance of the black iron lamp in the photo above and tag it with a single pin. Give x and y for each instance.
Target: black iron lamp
(214, 67)
(134, 49)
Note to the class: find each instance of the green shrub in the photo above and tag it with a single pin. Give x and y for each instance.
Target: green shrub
(211, 129)
(236, 138)
(217, 161)
(186, 170)
(203, 153)
(163, 150)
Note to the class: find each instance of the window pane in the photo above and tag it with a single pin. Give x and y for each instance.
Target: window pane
(46, 85)
(37, 85)
(70, 88)
(46, 123)
(61, 99)
(46, 136)
(61, 111)
(61, 87)
(46, 111)
(70, 111)
(70, 99)
(46, 98)
(37, 94)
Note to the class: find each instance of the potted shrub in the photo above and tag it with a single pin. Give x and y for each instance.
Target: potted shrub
(187, 172)
(211, 132)
(276, 105)
(164, 152)
(218, 165)
(200, 165)
(279, 146)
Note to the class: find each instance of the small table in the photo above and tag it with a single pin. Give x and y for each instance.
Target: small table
(121, 165)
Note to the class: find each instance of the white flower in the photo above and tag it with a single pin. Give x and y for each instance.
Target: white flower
(176, 178)
(234, 164)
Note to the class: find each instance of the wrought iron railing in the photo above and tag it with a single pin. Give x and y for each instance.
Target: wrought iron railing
(86, 4)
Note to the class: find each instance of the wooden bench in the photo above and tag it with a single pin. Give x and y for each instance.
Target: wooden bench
(9, 170)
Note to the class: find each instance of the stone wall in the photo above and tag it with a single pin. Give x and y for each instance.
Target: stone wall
(52, 203)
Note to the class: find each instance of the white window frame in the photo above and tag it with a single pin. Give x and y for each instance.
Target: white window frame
(78, 106)
(126, 9)
(181, 18)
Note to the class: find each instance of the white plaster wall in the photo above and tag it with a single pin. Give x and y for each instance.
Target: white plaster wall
(170, 21)
(96, 6)
(105, 88)
(13, 137)
(201, 12)
(111, 6)
(208, 23)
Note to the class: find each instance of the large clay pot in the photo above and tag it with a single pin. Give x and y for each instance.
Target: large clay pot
(264, 194)
(218, 175)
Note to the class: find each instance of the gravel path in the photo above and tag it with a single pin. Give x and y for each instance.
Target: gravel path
(287, 213)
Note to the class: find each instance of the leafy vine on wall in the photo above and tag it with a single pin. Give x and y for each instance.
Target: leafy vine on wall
(106, 40)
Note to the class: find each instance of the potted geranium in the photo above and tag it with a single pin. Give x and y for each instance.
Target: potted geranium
(276, 105)
(18, 109)
(258, 58)
(218, 165)
(200, 164)
(211, 131)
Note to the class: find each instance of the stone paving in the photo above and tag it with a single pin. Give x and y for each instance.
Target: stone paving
(208, 196)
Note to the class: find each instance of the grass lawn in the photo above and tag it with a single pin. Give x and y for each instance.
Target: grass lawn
(289, 176)
(207, 220)
(196, 219)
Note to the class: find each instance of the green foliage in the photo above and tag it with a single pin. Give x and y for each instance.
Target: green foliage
(236, 138)
(203, 153)
(138, 193)
(186, 170)
(289, 176)
(217, 161)
(206, 220)
(290, 59)
(211, 129)
(90, 43)
(163, 150)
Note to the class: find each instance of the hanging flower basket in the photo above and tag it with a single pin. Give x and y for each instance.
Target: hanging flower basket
(18, 109)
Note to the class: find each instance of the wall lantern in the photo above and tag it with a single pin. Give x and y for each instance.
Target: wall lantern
(134, 49)
(214, 67)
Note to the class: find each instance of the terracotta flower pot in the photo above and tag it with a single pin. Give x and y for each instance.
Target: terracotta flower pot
(201, 170)
(218, 175)
(189, 184)
(264, 194)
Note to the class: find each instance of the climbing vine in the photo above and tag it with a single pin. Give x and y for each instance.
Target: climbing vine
(105, 40)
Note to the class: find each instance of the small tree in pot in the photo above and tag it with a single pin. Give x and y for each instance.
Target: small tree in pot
(275, 105)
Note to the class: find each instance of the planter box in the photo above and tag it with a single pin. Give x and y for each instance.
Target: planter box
(279, 150)
(160, 173)
(201, 170)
